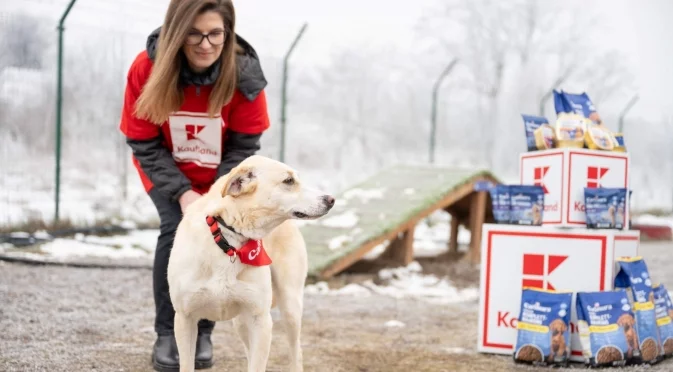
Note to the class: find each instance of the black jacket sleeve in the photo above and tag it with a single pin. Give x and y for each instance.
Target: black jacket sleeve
(237, 147)
(159, 166)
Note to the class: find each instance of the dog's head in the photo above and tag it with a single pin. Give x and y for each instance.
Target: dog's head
(627, 322)
(261, 193)
(558, 328)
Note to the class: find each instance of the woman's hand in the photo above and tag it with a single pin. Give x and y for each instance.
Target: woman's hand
(188, 198)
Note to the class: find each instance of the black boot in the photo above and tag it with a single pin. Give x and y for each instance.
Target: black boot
(165, 354)
(204, 352)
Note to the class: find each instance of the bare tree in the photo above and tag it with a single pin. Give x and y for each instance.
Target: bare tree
(23, 41)
(512, 45)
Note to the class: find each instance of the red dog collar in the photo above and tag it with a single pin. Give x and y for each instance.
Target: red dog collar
(251, 253)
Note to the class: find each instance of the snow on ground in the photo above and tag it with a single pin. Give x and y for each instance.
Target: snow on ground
(345, 220)
(648, 219)
(365, 195)
(87, 196)
(136, 244)
(403, 282)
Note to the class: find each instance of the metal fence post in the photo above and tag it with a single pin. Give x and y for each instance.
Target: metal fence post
(628, 107)
(283, 100)
(433, 118)
(59, 112)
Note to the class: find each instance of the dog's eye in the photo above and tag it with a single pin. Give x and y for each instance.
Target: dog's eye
(289, 181)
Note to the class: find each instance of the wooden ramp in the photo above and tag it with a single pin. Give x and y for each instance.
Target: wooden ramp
(387, 207)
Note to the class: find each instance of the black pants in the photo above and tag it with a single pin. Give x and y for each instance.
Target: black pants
(170, 215)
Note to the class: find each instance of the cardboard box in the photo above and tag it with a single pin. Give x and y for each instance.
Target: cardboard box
(543, 257)
(564, 173)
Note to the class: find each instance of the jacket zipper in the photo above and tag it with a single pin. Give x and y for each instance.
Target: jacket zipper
(198, 90)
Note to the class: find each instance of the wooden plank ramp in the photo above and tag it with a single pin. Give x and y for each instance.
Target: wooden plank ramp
(387, 207)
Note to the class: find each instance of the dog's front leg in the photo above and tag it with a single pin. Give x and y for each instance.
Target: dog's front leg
(258, 329)
(291, 309)
(186, 330)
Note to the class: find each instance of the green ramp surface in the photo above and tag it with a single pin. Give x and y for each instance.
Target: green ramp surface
(378, 206)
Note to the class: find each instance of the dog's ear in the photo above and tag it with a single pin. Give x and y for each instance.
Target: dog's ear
(241, 181)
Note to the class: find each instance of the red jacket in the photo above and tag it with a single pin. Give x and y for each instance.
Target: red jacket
(195, 141)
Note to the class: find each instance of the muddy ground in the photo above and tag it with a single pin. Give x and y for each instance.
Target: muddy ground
(77, 319)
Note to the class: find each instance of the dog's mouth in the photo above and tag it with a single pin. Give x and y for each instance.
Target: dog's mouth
(305, 216)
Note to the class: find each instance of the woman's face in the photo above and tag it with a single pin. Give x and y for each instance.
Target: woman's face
(202, 51)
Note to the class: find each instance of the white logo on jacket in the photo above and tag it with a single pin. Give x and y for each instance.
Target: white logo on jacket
(196, 138)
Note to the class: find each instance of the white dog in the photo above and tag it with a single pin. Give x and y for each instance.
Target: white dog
(212, 270)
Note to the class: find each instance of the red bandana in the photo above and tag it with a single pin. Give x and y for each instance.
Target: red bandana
(253, 253)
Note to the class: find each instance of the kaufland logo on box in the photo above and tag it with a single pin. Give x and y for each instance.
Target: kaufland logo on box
(595, 175)
(538, 178)
(538, 267)
(546, 171)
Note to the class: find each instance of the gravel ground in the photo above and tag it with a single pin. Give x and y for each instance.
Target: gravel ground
(76, 319)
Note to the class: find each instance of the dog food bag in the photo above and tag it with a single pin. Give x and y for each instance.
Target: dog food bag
(619, 142)
(606, 327)
(664, 310)
(531, 124)
(579, 104)
(500, 200)
(527, 204)
(633, 275)
(605, 207)
(543, 329)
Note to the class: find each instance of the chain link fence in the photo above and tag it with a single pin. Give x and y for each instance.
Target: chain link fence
(349, 115)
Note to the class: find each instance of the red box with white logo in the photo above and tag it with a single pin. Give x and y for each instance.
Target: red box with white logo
(543, 257)
(564, 173)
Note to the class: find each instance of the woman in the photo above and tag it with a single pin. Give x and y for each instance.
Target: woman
(194, 108)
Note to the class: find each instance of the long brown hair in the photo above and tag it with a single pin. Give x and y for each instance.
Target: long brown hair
(162, 95)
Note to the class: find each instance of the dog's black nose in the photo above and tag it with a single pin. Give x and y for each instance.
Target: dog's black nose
(329, 200)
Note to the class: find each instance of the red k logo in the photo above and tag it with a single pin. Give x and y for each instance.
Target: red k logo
(595, 175)
(193, 130)
(538, 267)
(538, 177)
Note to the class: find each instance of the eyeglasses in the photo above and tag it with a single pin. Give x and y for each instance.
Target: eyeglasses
(214, 38)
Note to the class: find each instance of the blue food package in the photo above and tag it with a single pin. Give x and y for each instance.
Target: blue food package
(572, 103)
(606, 326)
(634, 276)
(605, 208)
(531, 124)
(527, 204)
(501, 206)
(663, 307)
(543, 328)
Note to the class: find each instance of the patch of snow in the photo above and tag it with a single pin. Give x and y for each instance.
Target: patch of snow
(348, 290)
(365, 195)
(42, 235)
(409, 191)
(20, 234)
(63, 248)
(338, 241)
(394, 324)
(345, 220)
(647, 219)
(376, 251)
(404, 282)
